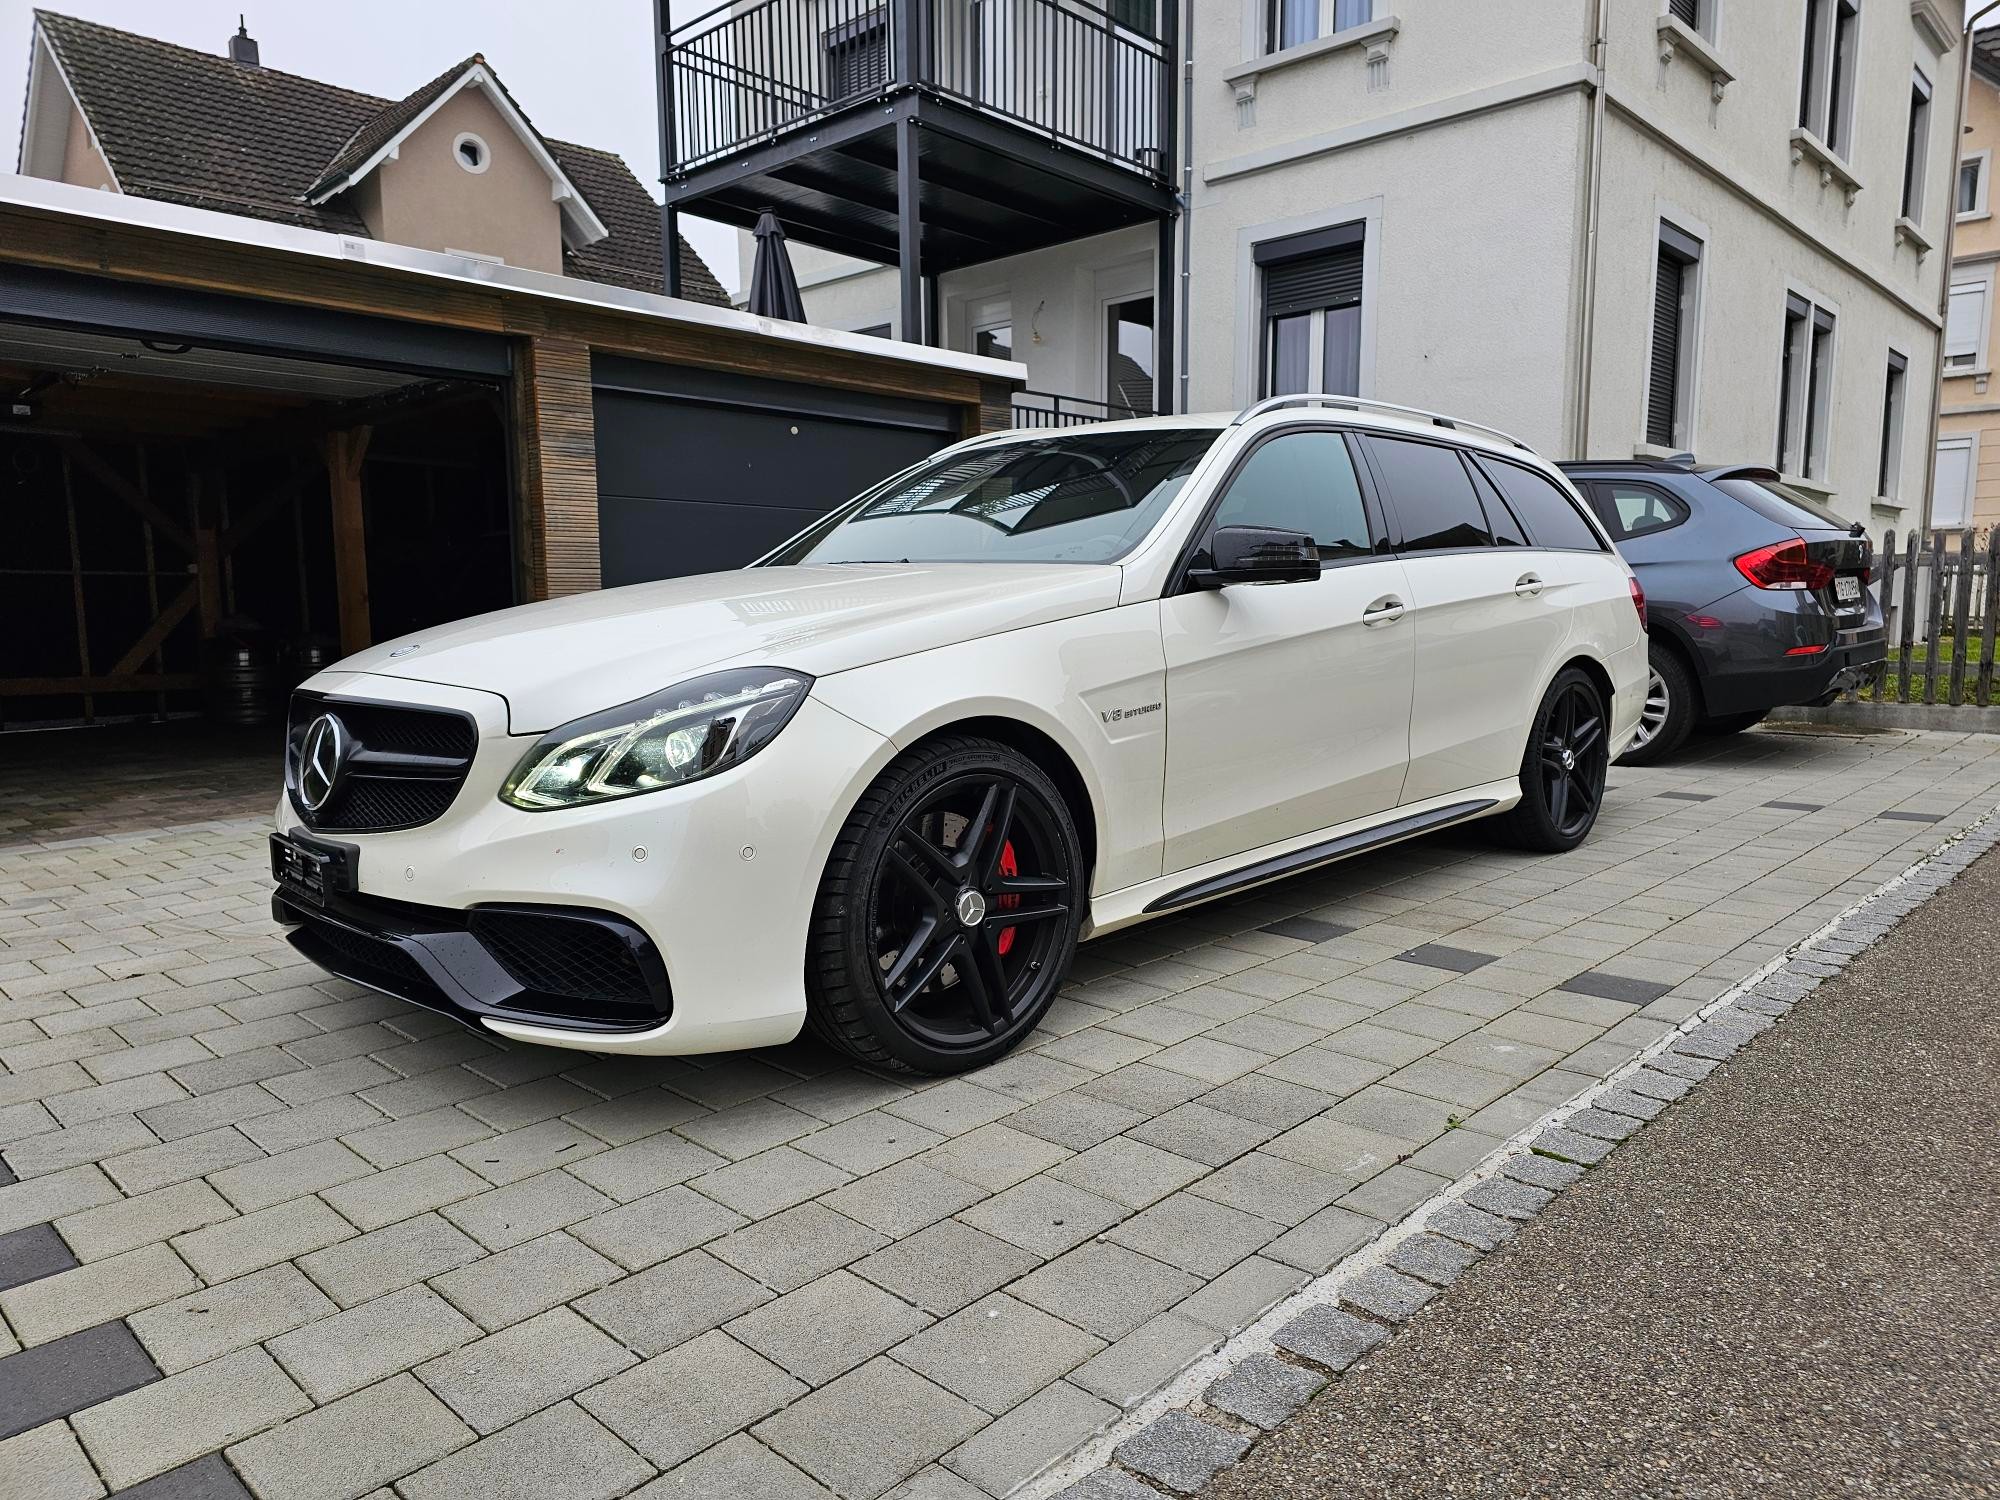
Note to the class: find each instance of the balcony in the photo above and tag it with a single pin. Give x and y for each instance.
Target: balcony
(932, 134)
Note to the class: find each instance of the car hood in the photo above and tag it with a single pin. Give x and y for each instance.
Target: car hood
(563, 658)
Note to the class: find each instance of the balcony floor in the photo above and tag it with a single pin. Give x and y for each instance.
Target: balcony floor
(988, 187)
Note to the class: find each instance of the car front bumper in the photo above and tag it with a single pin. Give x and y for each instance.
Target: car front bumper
(705, 890)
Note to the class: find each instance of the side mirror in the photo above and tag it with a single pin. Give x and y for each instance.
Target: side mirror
(1256, 554)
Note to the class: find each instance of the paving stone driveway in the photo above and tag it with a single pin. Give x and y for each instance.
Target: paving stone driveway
(272, 1231)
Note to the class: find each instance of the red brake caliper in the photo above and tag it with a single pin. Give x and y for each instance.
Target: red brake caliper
(1008, 867)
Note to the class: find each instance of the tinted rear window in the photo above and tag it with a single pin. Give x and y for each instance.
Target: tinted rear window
(1787, 507)
(1551, 517)
(1434, 501)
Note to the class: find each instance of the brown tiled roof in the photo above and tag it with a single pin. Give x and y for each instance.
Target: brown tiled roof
(196, 128)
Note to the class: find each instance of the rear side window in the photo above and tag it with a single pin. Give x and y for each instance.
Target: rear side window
(1301, 481)
(1550, 515)
(1434, 503)
(1631, 510)
(1779, 503)
(1506, 528)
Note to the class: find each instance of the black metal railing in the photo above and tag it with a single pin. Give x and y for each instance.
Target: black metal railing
(1066, 69)
(1048, 409)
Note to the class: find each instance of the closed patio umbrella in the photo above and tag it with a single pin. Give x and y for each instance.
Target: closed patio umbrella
(774, 290)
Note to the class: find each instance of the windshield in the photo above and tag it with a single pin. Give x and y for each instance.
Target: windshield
(1783, 504)
(1087, 497)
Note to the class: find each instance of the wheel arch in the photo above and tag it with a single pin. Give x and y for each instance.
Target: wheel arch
(1670, 638)
(1049, 755)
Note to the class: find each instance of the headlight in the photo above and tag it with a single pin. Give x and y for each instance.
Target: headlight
(672, 738)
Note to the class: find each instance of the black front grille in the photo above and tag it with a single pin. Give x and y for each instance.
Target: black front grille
(403, 767)
(562, 956)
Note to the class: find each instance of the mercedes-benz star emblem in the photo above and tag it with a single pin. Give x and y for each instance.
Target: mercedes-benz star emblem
(401, 651)
(971, 907)
(322, 757)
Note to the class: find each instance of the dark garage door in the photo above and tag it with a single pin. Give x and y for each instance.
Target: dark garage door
(699, 470)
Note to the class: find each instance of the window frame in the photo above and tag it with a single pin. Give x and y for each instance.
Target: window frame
(1981, 351)
(1196, 542)
(1981, 163)
(1827, 75)
(1805, 400)
(1270, 253)
(1917, 147)
(1689, 244)
(1326, 20)
(1895, 401)
(1704, 23)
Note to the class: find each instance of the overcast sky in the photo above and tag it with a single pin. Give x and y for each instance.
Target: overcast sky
(580, 69)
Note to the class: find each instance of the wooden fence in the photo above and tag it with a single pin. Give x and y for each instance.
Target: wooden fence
(1941, 610)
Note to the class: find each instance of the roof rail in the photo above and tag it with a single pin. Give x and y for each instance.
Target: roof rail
(1363, 403)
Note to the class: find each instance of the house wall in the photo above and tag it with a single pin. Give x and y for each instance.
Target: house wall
(1724, 170)
(424, 198)
(83, 164)
(1971, 404)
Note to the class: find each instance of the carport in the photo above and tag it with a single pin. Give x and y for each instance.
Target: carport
(231, 450)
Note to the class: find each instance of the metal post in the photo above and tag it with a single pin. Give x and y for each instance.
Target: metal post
(670, 246)
(670, 239)
(1163, 321)
(910, 231)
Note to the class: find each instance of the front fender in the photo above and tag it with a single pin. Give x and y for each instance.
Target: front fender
(1095, 687)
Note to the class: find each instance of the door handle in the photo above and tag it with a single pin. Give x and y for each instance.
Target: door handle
(1384, 611)
(1528, 585)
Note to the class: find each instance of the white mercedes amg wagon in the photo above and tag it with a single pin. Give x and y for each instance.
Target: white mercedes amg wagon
(1042, 686)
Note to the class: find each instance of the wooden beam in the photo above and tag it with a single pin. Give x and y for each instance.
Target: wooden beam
(207, 557)
(285, 493)
(157, 632)
(139, 682)
(91, 463)
(344, 453)
(555, 468)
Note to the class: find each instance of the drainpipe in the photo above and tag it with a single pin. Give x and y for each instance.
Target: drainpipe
(1187, 202)
(1586, 321)
(1950, 236)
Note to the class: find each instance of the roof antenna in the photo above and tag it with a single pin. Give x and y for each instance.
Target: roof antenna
(243, 46)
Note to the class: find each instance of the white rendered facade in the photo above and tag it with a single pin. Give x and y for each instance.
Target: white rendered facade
(1478, 146)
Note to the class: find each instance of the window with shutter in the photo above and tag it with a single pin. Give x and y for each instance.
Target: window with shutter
(1660, 412)
(1688, 12)
(857, 56)
(1669, 383)
(1312, 311)
(1965, 325)
(1890, 469)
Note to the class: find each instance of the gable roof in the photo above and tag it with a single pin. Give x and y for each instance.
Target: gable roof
(196, 128)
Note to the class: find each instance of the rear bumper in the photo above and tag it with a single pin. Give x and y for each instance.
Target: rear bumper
(1784, 680)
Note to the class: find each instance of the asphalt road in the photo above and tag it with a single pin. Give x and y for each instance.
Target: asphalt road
(1787, 1285)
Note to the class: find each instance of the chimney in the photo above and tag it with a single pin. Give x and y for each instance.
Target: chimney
(243, 46)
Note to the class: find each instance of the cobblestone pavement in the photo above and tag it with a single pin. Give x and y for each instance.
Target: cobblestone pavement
(1802, 1296)
(271, 1232)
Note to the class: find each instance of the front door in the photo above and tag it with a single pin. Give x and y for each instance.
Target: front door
(1288, 705)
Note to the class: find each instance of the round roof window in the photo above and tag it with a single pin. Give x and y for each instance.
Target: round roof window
(470, 152)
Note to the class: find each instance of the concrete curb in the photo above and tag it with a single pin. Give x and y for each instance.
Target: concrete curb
(1219, 1407)
(1966, 719)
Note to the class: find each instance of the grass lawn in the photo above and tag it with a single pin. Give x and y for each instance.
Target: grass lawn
(1887, 688)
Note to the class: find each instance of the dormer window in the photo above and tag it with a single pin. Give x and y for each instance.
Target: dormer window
(471, 152)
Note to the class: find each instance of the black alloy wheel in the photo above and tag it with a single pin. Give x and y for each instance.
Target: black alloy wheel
(949, 912)
(1564, 769)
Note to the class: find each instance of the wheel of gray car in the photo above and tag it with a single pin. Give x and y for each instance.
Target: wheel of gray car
(1668, 717)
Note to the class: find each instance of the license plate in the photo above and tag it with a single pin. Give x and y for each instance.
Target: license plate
(309, 872)
(1846, 588)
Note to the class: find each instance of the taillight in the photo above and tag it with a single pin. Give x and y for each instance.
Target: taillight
(1784, 565)
(1638, 600)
